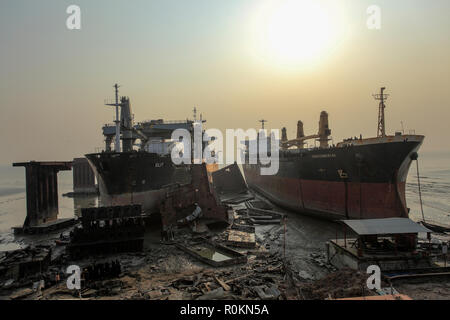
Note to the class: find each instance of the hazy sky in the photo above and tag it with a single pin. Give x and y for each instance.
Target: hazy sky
(170, 55)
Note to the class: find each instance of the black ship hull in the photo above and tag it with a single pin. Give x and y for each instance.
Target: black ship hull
(362, 180)
(136, 177)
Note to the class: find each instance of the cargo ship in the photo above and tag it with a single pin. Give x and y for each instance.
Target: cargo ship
(354, 179)
(139, 169)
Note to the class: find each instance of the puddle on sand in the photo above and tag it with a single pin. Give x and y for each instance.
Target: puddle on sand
(212, 254)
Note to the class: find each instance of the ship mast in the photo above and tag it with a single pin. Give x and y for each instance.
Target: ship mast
(117, 121)
(382, 97)
(195, 114)
(262, 123)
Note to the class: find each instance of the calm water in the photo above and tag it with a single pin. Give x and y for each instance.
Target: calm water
(434, 172)
(13, 201)
(435, 184)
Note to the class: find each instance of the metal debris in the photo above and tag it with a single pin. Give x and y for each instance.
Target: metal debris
(25, 262)
(108, 230)
(267, 292)
(213, 253)
(241, 239)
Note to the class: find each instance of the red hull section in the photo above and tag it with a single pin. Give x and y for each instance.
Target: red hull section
(333, 199)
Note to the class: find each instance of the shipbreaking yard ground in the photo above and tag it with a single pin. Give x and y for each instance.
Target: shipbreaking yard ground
(162, 271)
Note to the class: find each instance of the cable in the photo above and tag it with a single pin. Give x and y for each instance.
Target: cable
(420, 192)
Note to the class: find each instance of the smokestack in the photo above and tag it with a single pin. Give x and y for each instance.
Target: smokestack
(324, 131)
(284, 135)
(126, 120)
(284, 138)
(300, 132)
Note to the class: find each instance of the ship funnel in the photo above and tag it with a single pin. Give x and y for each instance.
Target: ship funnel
(300, 132)
(324, 131)
(284, 135)
(284, 138)
(126, 121)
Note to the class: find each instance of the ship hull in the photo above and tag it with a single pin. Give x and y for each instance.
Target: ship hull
(149, 200)
(136, 177)
(364, 181)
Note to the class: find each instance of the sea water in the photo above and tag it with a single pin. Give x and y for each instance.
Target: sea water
(434, 169)
(13, 206)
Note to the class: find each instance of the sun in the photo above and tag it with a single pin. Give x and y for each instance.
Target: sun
(296, 32)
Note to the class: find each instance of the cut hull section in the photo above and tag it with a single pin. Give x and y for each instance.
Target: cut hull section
(136, 177)
(149, 200)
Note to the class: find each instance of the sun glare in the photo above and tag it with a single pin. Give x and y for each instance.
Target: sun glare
(296, 32)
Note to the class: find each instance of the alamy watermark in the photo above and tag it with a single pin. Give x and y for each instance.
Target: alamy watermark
(252, 147)
(73, 21)
(374, 19)
(74, 278)
(374, 280)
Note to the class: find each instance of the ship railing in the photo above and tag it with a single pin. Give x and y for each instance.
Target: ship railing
(166, 121)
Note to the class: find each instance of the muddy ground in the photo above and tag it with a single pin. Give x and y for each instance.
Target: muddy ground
(425, 289)
(283, 265)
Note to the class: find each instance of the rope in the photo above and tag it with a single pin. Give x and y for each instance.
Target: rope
(420, 192)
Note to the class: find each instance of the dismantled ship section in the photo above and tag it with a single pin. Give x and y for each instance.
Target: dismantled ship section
(136, 177)
(139, 170)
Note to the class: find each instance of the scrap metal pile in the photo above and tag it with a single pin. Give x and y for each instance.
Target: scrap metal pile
(24, 262)
(230, 185)
(181, 202)
(108, 230)
(341, 284)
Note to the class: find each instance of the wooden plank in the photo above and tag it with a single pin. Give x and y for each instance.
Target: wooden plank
(223, 284)
(238, 278)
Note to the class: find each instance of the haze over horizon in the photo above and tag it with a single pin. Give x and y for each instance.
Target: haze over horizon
(236, 61)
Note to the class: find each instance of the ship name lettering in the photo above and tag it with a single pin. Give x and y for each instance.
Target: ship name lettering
(328, 155)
